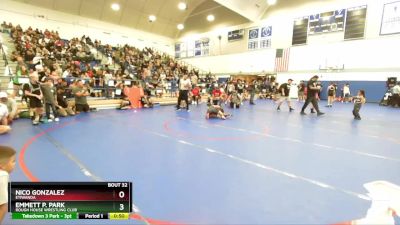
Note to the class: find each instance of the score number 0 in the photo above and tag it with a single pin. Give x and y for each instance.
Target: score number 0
(121, 195)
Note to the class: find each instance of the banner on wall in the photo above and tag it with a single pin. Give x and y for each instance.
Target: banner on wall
(192, 48)
(202, 47)
(205, 44)
(177, 50)
(197, 49)
(390, 23)
(259, 38)
(253, 38)
(180, 50)
(326, 22)
(235, 35)
(266, 33)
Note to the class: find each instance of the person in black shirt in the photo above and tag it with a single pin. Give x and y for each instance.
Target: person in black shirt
(284, 90)
(34, 94)
(63, 106)
(331, 94)
(312, 91)
(240, 87)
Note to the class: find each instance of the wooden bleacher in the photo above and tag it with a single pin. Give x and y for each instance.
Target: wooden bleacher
(113, 103)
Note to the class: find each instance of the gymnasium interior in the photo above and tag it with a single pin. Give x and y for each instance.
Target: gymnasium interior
(260, 161)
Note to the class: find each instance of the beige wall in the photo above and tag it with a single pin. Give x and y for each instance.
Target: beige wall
(375, 52)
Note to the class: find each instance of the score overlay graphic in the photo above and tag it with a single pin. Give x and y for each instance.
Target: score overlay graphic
(70, 200)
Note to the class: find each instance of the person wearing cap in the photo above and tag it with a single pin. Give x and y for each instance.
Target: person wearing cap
(284, 90)
(33, 92)
(49, 93)
(12, 106)
(312, 91)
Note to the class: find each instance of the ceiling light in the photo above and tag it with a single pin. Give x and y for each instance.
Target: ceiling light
(180, 26)
(182, 6)
(271, 2)
(210, 18)
(115, 6)
(152, 18)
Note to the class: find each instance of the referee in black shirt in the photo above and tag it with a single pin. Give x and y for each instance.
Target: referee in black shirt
(312, 90)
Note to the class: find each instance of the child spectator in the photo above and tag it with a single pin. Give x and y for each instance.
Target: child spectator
(346, 93)
(235, 100)
(49, 93)
(7, 165)
(80, 92)
(216, 95)
(11, 106)
(331, 94)
(359, 100)
(146, 101)
(196, 95)
(33, 92)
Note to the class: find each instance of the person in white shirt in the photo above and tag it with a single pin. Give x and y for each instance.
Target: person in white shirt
(184, 87)
(346, 93)
(11, 106)
(7, 165)
(4, 128)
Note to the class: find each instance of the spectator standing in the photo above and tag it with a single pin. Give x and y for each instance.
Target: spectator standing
(331, 94)
(80, 92)
(252, 91)
(49, 93)
(346, 93)
(34, 94)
